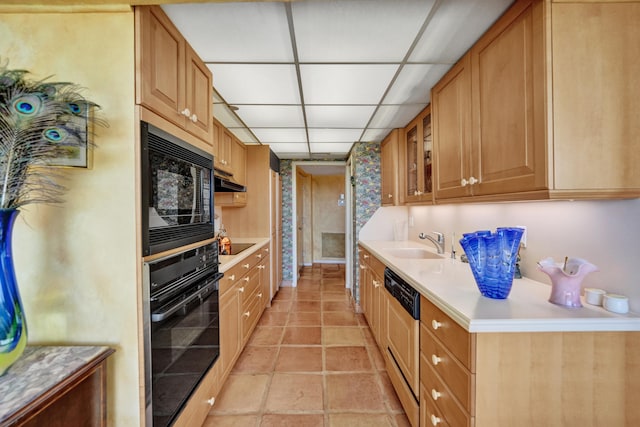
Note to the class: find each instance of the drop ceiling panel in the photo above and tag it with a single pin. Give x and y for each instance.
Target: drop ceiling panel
(414, 83)
(271, 135)
(338, 116)
(334, 135)
(331, 147)
(345, 84)
(235, 32)
(455, 26)
(288, 147)
(395, 116)
(256, 83)
(357, 30)
(375, 135)
(271, 115)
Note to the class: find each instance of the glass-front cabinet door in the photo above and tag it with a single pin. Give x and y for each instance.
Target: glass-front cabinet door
(417, 149)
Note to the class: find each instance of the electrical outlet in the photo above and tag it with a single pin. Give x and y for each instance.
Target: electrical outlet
(523, 240)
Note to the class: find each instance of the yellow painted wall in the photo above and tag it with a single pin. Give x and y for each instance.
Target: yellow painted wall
(328, 217)
(76, 262)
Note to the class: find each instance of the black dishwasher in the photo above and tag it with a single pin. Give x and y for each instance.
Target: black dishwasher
(406, 295)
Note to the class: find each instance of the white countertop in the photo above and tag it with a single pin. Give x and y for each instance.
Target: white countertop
(228, 261)
(450, 285)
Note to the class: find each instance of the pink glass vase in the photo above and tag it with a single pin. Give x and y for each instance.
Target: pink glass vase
(566, 279)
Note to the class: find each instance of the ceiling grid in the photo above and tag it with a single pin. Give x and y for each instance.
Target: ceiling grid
(312, 77)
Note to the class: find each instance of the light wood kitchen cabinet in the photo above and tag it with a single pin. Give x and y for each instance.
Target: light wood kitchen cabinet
(389, 162)
(416, 157)
(222, 139)
(239, 161)
(525, 378)
(201, 401)
(264, 196)
(230, 334)
(526, 114)
(171, 79)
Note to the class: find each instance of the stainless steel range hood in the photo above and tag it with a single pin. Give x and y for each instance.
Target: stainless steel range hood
(223, 182)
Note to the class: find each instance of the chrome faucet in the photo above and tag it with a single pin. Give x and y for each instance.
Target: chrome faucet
(438, 241)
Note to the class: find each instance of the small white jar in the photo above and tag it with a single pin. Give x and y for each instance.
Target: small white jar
(616, 303)
(594, 296)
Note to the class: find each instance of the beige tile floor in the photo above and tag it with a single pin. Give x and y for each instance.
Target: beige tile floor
(310, 362)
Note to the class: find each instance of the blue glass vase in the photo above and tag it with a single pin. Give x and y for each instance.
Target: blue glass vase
(492, 257)
(13, 325)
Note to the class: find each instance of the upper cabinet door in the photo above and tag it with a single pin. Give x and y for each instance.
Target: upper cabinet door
(389, 169)
(507, 91)
(451, 103)
(171, 79)
(416, 158)
(161, 71)
(199, 96)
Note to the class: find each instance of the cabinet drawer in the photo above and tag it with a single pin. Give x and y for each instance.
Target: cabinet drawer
(457, 340)
(377, 266)
(430, 415)
(249, 287)
(250, 316)
(453, 373)
(231, 277)
(445, 401)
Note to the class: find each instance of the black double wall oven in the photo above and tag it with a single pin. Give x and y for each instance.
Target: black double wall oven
(180, 290)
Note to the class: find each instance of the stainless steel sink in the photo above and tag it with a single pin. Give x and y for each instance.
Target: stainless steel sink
(412, 253)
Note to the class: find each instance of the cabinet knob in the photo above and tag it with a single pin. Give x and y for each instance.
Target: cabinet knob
(435, 324)
(376, 284)
(211, 401)
(390, 196)
(246, 266)
(365, 256)
(241, 289)
(246, 313)
(362, 267)
(246, 279)
(259, 295)
(266, 249)
(259, 255)
(435, 420)
(435, 394)
(193, 118)
(471, 181)
(262, 267)
(185, 112)
(435, 359)
(232, 277)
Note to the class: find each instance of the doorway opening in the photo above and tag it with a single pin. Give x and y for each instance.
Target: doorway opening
(322, 219)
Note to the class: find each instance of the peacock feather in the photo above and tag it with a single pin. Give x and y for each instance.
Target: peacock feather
(38, 123)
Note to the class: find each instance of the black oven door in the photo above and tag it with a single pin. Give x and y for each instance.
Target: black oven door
(184, 342)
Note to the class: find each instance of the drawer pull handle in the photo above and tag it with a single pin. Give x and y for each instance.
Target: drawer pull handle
(245, 266)
(435, 420)
(435, 359)
(232, 277)
(241, 289)
(246, 313)
(259, 255)
(259, 295)
(435, 394)
(390, 196)
(376, 284)
(365, 256)
(262, 267)
(211, 401)
(246, 279)
(435, 324)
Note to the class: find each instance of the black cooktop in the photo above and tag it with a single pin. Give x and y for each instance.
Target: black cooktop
(236, 248)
